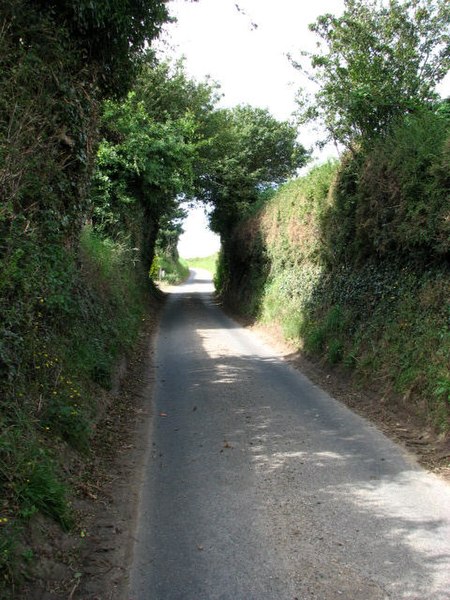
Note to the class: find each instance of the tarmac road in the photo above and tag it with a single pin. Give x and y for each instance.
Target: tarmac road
(259, 486)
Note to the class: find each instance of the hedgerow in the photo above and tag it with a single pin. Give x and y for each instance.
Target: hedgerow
(70, 300)
(352, 262)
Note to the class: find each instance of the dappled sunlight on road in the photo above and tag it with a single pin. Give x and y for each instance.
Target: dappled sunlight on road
(270, 467)
(383, 503)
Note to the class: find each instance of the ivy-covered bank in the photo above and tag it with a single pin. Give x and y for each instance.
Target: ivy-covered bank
(352, 261)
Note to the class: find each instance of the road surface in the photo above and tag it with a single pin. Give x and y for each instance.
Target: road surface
(259, 486)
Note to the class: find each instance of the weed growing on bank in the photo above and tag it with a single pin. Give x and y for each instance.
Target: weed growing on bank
(79, 312)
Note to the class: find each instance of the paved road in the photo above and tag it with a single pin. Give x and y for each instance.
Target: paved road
(259, 486)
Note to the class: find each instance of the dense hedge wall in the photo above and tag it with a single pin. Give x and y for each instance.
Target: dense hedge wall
(70, 301)
(352, 262)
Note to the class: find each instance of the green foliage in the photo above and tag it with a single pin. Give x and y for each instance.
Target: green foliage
(222, 274)
(45, 142)
(169, 268)
(376, 63)
(405, 181)
(31, 481)
(249, 152)
(111, 37)
(51, 73)
(298, 209)
(394, 199)
(205, 262)
(170, 229)
(382, 312)
(166, 142)
(169, 94)
(242, 271)
(43, 491)
(116, 294)
(77, 313)
(147, 158)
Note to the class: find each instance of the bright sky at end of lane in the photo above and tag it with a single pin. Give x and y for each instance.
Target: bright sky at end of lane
(243, 46)
(198, 240)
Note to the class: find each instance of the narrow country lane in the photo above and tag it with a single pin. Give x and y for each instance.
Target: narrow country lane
(260, 486)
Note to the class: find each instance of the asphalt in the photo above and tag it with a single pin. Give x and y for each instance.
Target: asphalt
(260, 486)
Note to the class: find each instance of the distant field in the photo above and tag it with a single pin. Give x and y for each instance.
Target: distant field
(207, 262)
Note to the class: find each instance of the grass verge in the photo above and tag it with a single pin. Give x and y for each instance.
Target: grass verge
(205, 262)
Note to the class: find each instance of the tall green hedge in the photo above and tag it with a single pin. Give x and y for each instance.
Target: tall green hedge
(352, 262)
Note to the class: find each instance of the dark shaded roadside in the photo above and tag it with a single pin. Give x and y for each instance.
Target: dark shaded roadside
(90, 562)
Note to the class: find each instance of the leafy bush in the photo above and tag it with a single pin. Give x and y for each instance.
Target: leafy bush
(168, 268)
(344, 282)
(394, 199)
(375, 63)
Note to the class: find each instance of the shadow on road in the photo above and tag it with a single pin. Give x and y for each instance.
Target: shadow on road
(264, 452)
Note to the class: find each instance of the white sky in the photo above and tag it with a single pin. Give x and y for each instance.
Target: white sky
(197, 240)
(249, 62)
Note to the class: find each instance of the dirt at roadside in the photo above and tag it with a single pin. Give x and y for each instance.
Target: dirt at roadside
(389, 413)
(113, 488)
(91, 563)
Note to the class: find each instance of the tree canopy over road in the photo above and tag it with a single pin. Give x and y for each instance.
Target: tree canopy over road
(100, 142)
